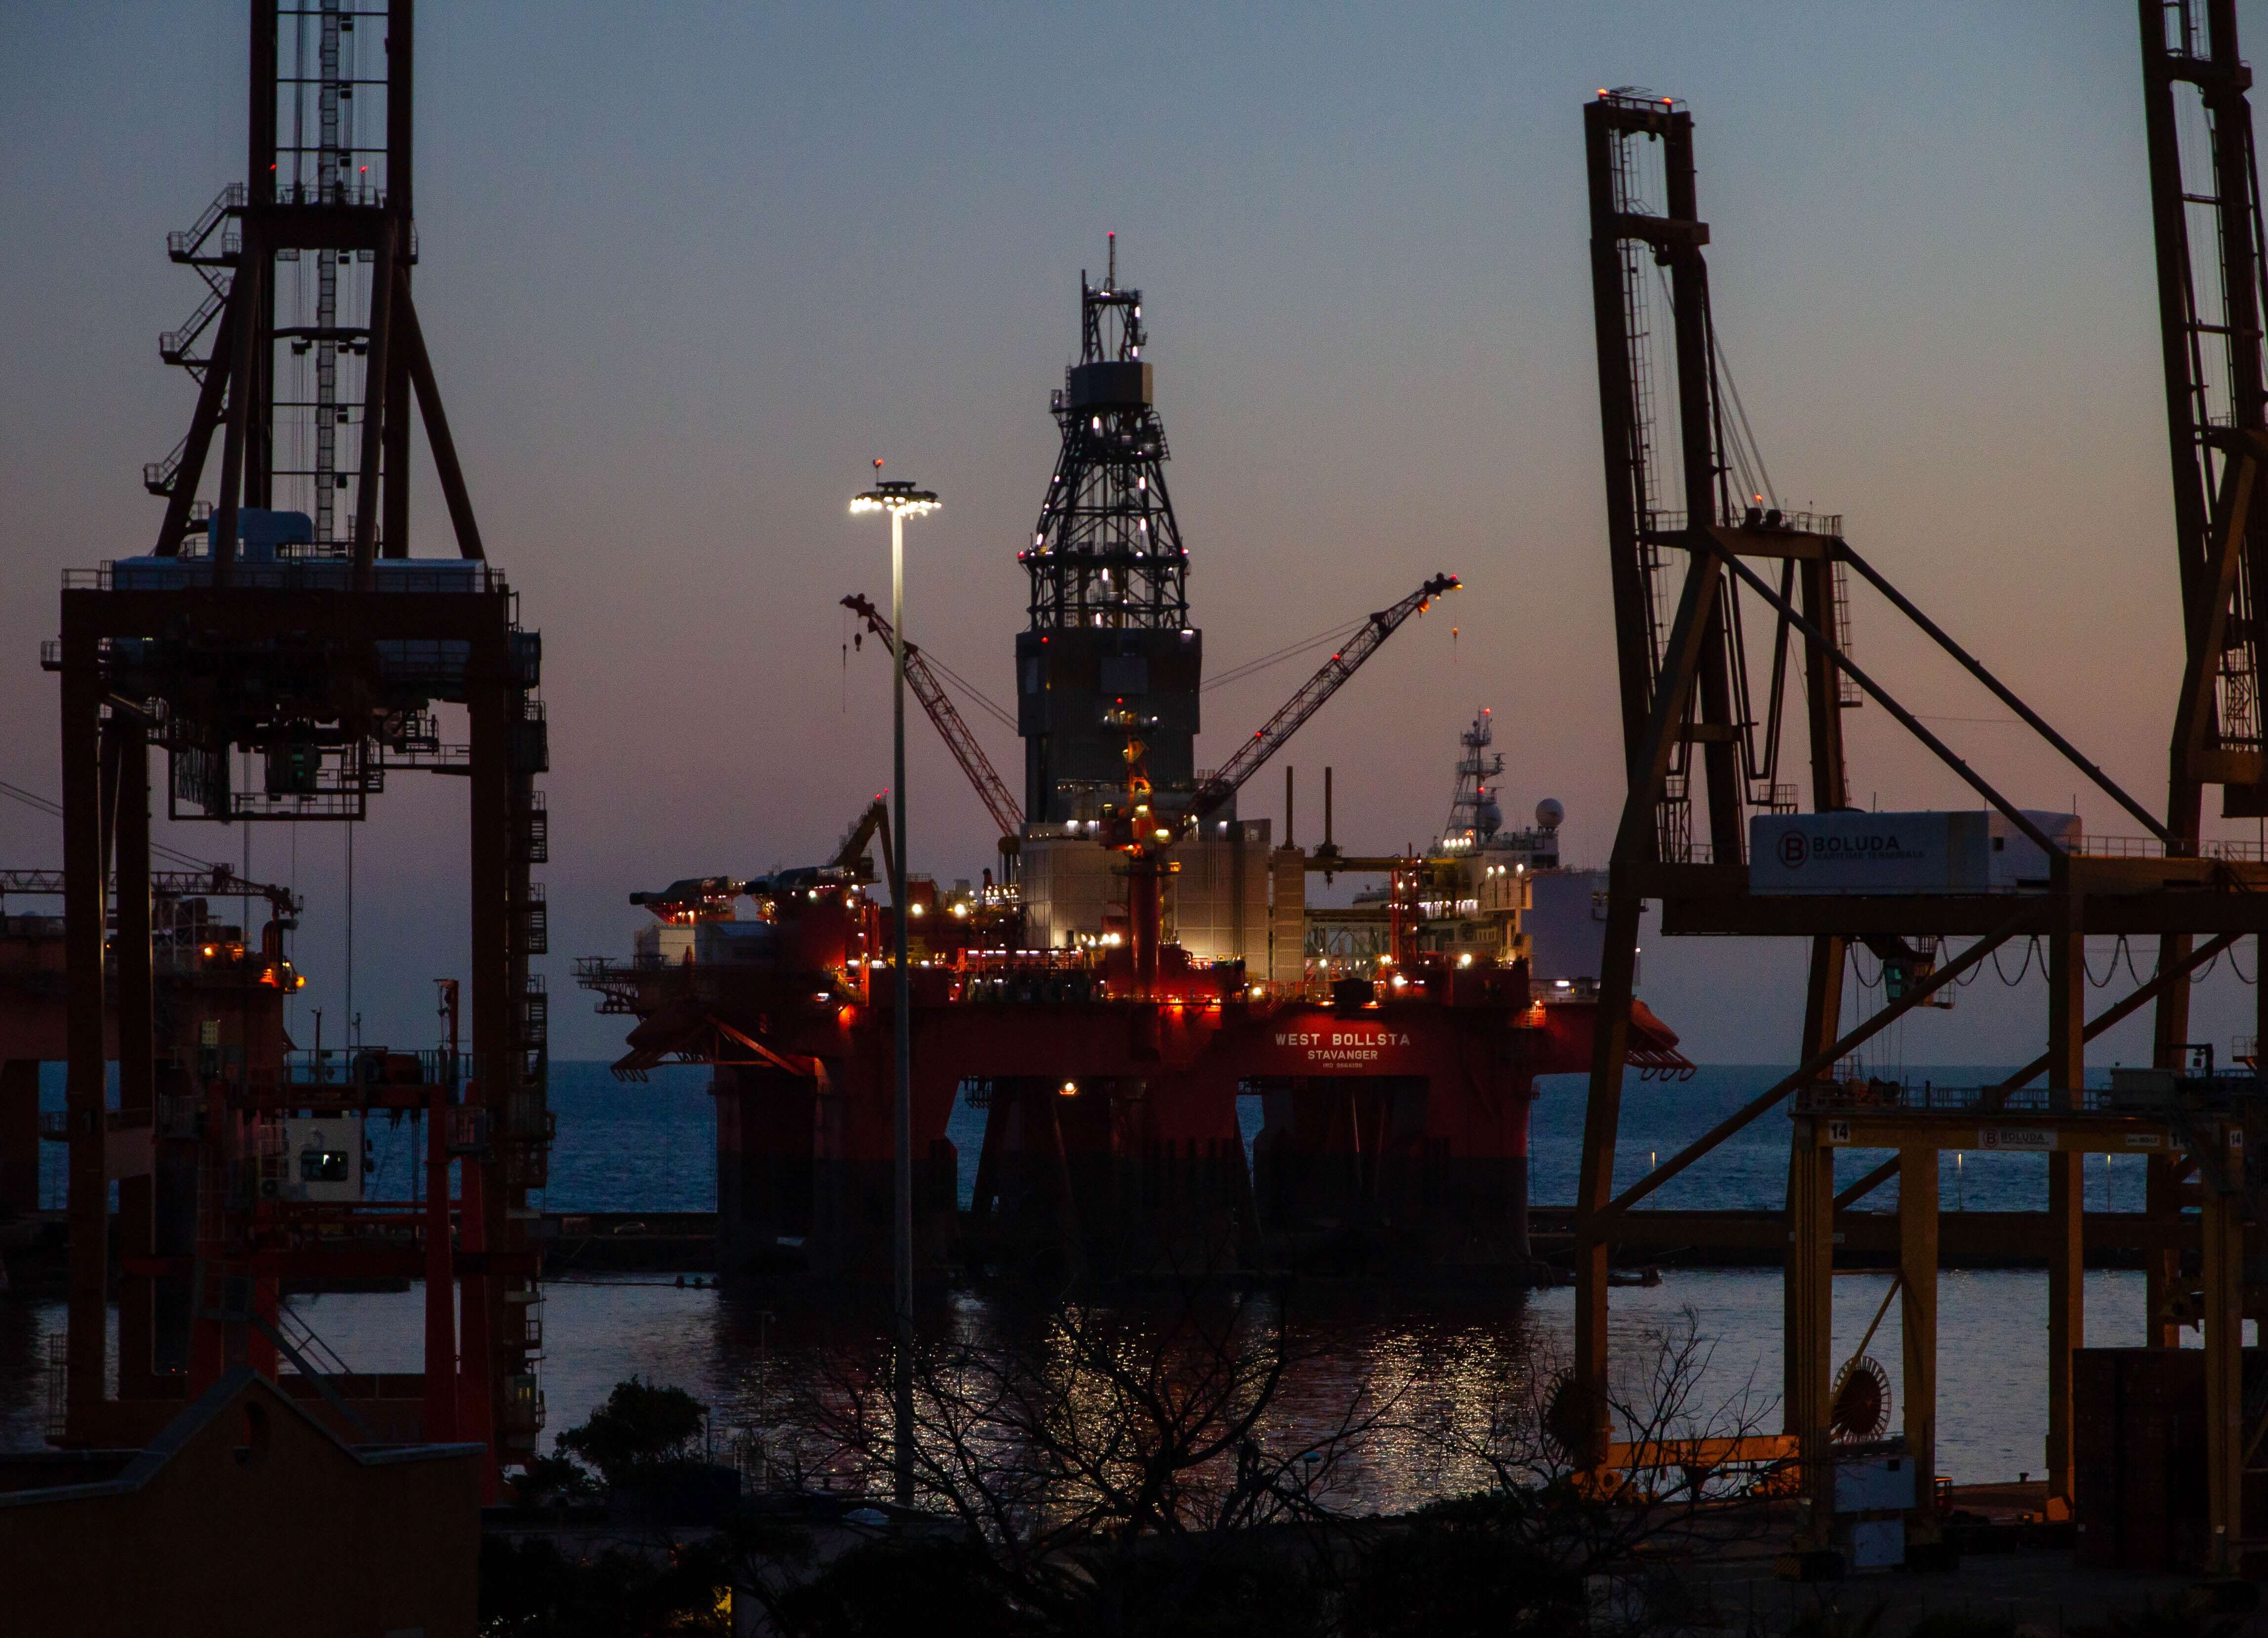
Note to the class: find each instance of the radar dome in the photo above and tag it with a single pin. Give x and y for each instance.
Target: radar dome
(1549, 813)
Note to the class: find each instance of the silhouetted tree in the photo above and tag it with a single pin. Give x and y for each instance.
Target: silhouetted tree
(639, 1431)
(1111, 1469)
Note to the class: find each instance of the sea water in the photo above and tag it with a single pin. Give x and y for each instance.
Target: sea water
(1429, 1357)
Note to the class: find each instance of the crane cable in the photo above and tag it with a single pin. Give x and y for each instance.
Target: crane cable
(53, 810)
(1336, 636)
(961, 685)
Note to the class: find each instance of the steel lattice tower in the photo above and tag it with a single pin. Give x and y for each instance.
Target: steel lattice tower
(1107, 551)
(1110, 580)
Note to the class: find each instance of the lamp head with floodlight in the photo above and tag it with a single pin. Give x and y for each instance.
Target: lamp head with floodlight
(893, 495)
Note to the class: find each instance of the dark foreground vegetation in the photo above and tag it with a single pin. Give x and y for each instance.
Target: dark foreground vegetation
(1099, 1472)
(1104, 1473)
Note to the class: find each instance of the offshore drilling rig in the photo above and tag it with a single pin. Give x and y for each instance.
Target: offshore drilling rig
(278, 621)
(1142, 961)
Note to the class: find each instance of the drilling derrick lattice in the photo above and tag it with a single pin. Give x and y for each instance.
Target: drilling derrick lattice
(1106, 550)
(1109, 610)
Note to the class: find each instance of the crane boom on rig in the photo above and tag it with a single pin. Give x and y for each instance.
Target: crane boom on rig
(1143, 835)
(990, 790)
(850, 852)
(1213, 791)
(1311, 697)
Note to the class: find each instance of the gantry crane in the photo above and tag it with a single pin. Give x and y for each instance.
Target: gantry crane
(2211, 307)
(279, 624)
(1685, 684)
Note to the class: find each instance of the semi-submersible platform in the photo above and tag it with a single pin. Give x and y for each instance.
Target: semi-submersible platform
(1144, 959)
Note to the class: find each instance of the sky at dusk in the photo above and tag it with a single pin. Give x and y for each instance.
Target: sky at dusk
(686, 268)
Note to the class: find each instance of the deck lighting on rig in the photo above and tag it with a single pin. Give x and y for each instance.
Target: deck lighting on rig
(901, 500)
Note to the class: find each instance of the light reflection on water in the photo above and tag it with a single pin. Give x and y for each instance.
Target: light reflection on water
(1454, 1351)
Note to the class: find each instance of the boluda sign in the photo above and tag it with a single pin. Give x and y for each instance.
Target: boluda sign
(1900, 853)
(1322, 1045)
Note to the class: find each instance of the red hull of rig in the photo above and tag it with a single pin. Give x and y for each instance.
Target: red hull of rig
(1395, 1117)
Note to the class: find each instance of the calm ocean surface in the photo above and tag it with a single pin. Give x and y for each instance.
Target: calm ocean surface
(652, 1147)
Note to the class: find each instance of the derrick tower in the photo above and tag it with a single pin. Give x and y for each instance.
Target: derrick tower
(1109, 617)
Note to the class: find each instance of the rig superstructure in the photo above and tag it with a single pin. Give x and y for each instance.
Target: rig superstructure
(1109, 612)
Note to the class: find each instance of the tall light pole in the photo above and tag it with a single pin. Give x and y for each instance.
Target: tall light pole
(901, 500)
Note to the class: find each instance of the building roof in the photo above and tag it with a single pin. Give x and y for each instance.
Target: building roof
(144, 1466)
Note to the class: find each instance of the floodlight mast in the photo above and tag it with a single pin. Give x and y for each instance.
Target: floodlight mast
(901, 500)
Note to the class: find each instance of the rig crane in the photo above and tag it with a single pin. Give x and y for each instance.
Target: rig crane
(1145, 836)
(1211, 792)
(1272, 734)
(991, 790)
